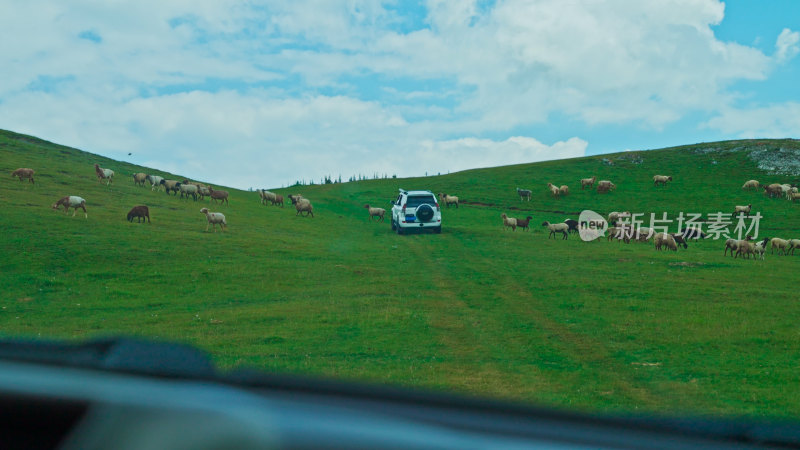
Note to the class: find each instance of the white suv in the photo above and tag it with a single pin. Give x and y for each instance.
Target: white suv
(416, 210)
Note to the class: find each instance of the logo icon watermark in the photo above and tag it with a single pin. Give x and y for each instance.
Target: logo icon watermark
(591, 225)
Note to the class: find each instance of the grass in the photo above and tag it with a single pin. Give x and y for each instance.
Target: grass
(598, 326)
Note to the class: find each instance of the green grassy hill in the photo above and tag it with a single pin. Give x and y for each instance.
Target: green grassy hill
(598, 326)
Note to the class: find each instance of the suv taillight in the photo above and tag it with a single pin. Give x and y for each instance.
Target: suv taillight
(437, 206)
(404, 209)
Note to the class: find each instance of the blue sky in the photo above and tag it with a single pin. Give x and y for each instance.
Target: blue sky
(262, 94)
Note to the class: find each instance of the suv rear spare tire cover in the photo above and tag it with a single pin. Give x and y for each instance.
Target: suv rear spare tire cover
(424, 213)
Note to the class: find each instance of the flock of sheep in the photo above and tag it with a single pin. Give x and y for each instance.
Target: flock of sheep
(626, 232)
(141, 212)
(620, 231)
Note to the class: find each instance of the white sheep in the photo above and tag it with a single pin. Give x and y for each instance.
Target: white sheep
(509, 222)
(215, 218)
(448, 199)
(375, 212)
(188, 189)
(793, 244)
(614, 216)
(792, 196)
(662, 179)
(303, 205)
(71, 201)
(588, 182)
(751, 184)
(553, 189)
(155, 181)
(554, 228)
(266, 196)
(742, 209)
(780, 244)
(563, 190)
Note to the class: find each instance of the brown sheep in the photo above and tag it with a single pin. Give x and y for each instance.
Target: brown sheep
(139, 178)
(278, 200)
(605, 186)
(303, 205)
(222, 196)
(665, 240)
(140, 213)
(524, 223)
(23, 173)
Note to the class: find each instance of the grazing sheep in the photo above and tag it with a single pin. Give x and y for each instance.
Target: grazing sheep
(171, 185)
(750, 185)
(303, 205)
(572, 224)
(588, 182)
(139, 178)
(375, 212)
(155, 181)
(222, 196)
(773, 190)
(785, 188)
(780, 244)
(742, 209)
(278, 200)
(524, 194)
(604, 186)
(187, 190)
(693, 233)
(140, 212)
(524, 223)
(792, 196)
(643, 234)
(563, 190)
(665, 240)
(23, 173)
(553, 189)
(557, 228)
(294, 198)
(448, 199)
(71, 201)
(104, 174)
(661, 179)
(680, 240)
(215, 218)
(509, 222)
(793, 244)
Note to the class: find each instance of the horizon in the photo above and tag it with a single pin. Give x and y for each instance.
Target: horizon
(263, 95)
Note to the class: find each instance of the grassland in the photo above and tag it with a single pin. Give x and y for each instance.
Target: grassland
(598, 326)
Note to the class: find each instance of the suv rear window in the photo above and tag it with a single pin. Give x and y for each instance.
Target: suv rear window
(416, 200)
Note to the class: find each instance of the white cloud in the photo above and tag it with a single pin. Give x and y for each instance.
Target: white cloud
(302, 89)
(774, 121)
(786, 46)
